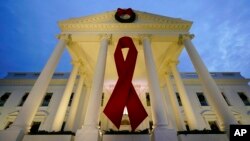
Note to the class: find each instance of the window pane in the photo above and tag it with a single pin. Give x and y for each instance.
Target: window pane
(244, 98)
(71, 98)
(178, 98)
(102, 99)
(226, 99)
(4, 98)
(35, 126)
(23, 99)
(148, 99)
(46, 99)
(202, 99)
(213, 125)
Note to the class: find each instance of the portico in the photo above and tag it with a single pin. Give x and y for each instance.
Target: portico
(91, 42)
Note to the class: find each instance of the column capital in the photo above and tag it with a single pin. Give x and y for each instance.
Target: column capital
(168, 73)
(105, 36)
(173, 62)
(144, 36)
(76, 62)
(66, 37)
(82, 73)
(183, 37)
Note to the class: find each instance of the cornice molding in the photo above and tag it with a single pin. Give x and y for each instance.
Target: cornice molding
(107, 22)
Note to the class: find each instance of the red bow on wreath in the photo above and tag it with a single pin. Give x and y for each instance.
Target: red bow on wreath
(121, 12)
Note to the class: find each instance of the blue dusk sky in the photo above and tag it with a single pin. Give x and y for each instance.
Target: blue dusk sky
(28, 29)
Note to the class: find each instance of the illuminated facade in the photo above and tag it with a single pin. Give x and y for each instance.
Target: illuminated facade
(74, 101)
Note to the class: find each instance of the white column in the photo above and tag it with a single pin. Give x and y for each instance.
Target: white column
(177, 113)
(62, 108)
(214, 95)
(158, 112)
(73, 109)
(84, 106)
(192, 120)
(161, 132)
(33, 101)
(90, 130)
(27, 113)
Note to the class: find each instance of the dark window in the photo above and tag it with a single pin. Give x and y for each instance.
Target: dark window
(20, 74)
(239, 122)
(187, 126)
(58, 74)
(102, 99)
(151, 125)
(244, 98)
(213, 125)
(228, 103)
(23, 99)
(35, 126)
(71, 99)
(46, 99)
(8, 125)
(228, 74)
(4, 98)
(178, 98)
(63, 125)
(202, 99)
(148, 99)
(36, 74)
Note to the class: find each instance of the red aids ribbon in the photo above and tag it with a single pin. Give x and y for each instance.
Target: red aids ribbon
(124, 93)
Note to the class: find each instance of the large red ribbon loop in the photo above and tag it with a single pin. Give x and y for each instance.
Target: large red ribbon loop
(124, 93)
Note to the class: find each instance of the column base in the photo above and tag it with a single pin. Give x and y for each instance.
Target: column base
(162, 133)
(87, 133)
(12, 134)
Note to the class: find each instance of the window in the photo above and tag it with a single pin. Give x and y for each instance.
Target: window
(58, 74)
(35, 126)
(148, 99)
(71, 99)
(20, 74)
(63, 125)
(178, 98)
(202, 99)
(151, 125)
(213, 125)
(228, 74)
(23, 99)
(102, 99)
(36, 74)
(46, 99)
(187, 126)
(244, 98)
(8, 125)
(228, 103)
(4, 98)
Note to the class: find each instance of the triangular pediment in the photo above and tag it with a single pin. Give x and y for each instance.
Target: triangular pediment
(106, 22)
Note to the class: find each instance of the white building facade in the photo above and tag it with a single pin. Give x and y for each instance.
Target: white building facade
(58, 102)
